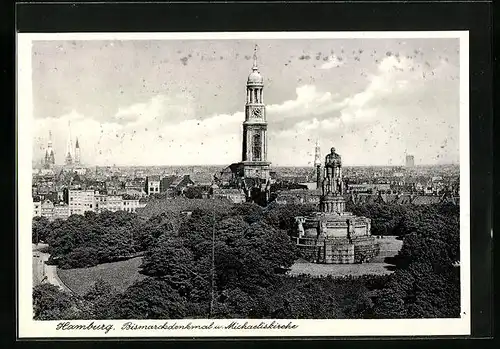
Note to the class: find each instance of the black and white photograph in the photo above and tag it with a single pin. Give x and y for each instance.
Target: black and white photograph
(239, 184)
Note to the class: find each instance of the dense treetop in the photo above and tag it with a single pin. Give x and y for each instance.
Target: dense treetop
(230, 262)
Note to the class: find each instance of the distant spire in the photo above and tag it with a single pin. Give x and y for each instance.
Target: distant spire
(70, 143)
(69, 150)
(49, 152)
(317, 154)
(77, 152)
(255, 67)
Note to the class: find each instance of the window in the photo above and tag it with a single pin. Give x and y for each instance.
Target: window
(256, 147)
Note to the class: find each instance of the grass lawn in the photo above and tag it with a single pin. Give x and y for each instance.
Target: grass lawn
(118, 274)
(340, 269)
(389, 247)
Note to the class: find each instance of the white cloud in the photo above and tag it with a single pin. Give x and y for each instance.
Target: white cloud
(403, 107)
(308, 102)
(373, 126)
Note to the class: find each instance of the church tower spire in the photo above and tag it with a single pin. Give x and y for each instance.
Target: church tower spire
(255, 66)
(254, 147)
(317, 164)
(69, 147)
(49, 153)
(317, 154)
(77, 152)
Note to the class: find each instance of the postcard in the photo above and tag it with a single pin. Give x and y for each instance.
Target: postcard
(243, 184)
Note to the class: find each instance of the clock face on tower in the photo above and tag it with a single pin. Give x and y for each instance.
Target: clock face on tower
(257, 113)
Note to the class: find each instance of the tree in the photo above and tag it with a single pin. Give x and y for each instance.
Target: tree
(151, 299)
(83, 241)
(388, 305)
(40, 229)
(195, 192)
(50, 303)
(100, 301)
(426, 283)
(283, 216)
(250, 212)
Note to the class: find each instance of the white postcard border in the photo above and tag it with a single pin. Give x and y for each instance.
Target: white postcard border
(28, 328)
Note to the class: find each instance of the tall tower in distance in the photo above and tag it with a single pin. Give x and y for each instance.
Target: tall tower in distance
(77, 152)
(69, 149)
(254, 149)
(410, 160)
(317, 164)
(50, 159)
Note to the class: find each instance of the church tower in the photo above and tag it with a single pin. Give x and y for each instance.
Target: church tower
(49, 153)
(69, 149)
(254, 150)
(77, 152)
(317, 164)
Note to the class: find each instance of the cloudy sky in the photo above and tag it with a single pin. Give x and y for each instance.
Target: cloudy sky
(174, 102)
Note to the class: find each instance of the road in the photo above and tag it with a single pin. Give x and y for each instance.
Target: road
(43, 273)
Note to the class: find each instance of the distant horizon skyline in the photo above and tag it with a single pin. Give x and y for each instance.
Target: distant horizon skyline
(403, 163)
(85, 165)
(182, 102)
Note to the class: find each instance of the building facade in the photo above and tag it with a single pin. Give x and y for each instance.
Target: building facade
(81, 201)
(153, 184)
(61, 211)
(236, 196)
(131, 205)
(37, 209)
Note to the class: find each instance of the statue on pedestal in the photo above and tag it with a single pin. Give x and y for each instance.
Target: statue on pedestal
(333, 159)
(300, 222)
(322, 228)
(332, 181)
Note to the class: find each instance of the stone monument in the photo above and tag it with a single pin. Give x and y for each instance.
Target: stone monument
(333, 236)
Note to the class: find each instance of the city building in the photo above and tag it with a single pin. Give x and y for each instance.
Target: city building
(153, 184)
(133, 192)
(47, 208)
(181, 183)
(114, 203)
(37, 208)
(132, 204)
(137, 184)
(80, 201)
(298, 197)
(368, 187)
(114, 186)
(175, 184)
(235, 196)
(61, 211)
(111, 203)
